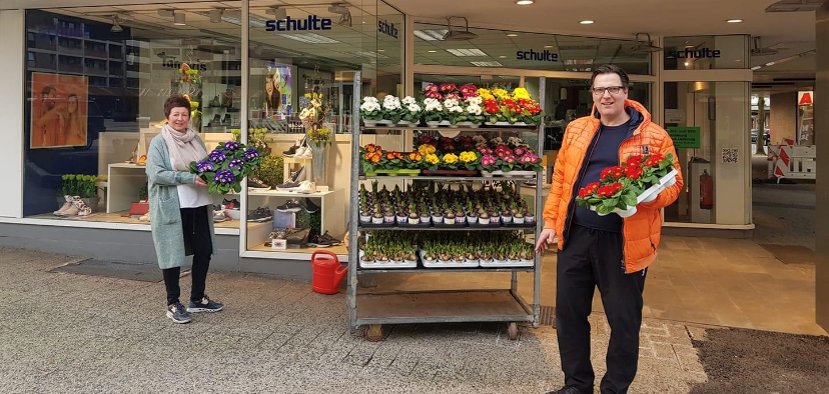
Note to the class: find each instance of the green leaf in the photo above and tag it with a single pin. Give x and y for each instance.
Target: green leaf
(610, 202)
(629, 199)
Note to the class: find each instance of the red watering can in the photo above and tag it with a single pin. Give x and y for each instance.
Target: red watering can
(327, 272)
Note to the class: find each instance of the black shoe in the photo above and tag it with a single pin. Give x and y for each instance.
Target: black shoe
(290, 206)
(297, 174)
(231, 204)
(257, 183)
(177, 313)
(567, 390)
(287, 186)
(309, 206)
(260, 215)
(326, 240)
(205, 305)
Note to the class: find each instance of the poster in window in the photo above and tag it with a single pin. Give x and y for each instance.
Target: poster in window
(277, 92)
(59, 110)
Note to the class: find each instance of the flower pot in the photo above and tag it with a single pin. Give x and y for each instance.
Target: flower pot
(630, 211)
(472, 220)
(518, 220)
(449, 221)
(529, 219)
(413, 221)
(514, 173)
(506, 219)
(433, 124)
(319, 164)
(437, 219)
(389, 220)
(445, 123)
(401, 220)
(375, 220)
(406, 123)
(425, 219)
(385, 122)
(370, 123)
(483, 221)
(460, 219)
(450, 172)
(502, 123)
(669, 179)
(365, 218)
(473, 125)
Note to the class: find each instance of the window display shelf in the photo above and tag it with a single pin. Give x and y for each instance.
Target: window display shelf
(447, 178)
(456, 129)
(449, 228)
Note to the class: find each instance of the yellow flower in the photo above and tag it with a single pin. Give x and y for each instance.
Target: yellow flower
(432, 158)
(426, 149)
(520, 93)
(500, 93)
(450, 158)
(485, 93)
(468, 156)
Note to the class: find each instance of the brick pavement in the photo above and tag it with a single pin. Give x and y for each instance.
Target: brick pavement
(62, 332)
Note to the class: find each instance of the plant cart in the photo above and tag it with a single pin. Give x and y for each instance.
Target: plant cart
(372, 309)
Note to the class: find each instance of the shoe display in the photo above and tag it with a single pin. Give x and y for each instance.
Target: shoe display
(290, 206)
(260, 215)
(178, 314)
(307, 187)
(307, 153)
(215, 102)
(230, 204)
(83, 209)
(291, 151)
(310, 206)
(256, 183)
(287, 186)
(297, 175)
(205, 305)
(226, 120)
(144, 218)
(216, 121)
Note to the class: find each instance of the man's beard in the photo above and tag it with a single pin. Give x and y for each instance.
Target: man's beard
(50, 105)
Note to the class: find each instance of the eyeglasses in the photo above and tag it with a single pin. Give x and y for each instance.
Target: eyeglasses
(609, 89)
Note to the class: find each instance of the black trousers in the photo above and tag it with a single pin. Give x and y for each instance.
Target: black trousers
(197, 243)
(594, 258)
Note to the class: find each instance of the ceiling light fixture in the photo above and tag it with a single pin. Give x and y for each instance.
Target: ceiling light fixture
(487, 64)
(734, 20)
(467, 52)
(432, 51)
(216, 15)
(547, 46)
(430, 35)
(116, 25)
(586, 22)
(512, 35)
(458, 35)
(502, 57)
(279, 13)
(178, 19)
(524, 2)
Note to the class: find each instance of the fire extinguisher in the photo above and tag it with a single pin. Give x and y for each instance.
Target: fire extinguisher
(706, 190)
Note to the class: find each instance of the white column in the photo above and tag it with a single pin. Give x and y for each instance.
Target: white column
(822, 141)
(11, 111)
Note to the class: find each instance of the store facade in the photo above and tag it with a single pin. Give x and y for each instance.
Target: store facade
(87, 82)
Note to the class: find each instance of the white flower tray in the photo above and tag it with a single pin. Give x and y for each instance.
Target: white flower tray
(448, 264)
(648, 195)
(507, 263)
(390, 264)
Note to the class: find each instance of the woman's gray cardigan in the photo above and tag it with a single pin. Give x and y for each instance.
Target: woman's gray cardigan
(165, 214)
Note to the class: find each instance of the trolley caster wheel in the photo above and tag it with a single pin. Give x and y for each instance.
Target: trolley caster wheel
(374, 332)
(512, 331)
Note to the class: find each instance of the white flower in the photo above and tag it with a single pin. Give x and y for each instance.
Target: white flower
(431, 104)
(414, 108)
(370, 106)
(370, 99)
(409, 100)
(477, 100)
(391, 103)
(515, 141)
(474, 109)
(497, 141)
(307, 113)
(457, 109)
(449, 103)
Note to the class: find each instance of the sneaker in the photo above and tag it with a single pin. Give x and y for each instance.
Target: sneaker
(177, 313)
(567, 390)
(219, 216)
(256, 183)
(296, 175)
(326, 240)
(309, 206)
(260, 215)
(290, 206)
(65, 206)
(287, 186)
(205, 305)
(230, 204)
(306, 153)
(307, 187)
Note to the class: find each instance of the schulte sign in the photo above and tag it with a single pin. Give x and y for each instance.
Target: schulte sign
(685, 137)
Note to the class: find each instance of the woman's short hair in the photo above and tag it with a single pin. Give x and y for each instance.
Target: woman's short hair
(175, 102)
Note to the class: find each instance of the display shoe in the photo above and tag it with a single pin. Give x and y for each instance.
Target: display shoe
(297, 175)
(307, 153)
(219, 216)
(83, 209)
(327, 240)
(65, 206)
(309, 206)
(261, 214)
(290, 206)
(216, 121)
(144, 218)
(215, 102)
(307, 187)
(257, 184)
(287, 186)
(226, 120)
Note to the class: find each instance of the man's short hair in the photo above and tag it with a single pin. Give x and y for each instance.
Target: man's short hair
(611, 69)
(46, 90)
(175, 102)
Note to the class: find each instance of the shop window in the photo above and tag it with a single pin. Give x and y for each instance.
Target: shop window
(706, 52)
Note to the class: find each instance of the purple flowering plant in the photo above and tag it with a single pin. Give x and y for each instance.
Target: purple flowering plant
(224, 167)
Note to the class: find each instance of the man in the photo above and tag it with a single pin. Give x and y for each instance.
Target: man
(605, 251)
(47, 124)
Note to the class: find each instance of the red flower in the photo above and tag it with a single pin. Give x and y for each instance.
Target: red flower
(588, 190)
(653, 160)
(634, 172)
(612, 173)
(609, 190)
(634, 161)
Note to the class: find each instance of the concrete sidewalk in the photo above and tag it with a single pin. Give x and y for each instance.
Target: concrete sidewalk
(63, 332)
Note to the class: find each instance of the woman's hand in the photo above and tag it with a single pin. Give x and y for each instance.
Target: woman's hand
(546, 238)
(200, 182)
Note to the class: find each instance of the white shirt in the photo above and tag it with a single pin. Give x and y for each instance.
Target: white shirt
(193, 196)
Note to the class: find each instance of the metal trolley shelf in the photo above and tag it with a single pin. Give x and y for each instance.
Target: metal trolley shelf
(374, 309)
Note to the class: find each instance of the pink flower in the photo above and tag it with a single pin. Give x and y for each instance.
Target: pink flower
(431, 87)
(453, 96)
(433, 94)
(448, 87)
(488, 161)
(510, 159)
(529, 158)
(519, 151)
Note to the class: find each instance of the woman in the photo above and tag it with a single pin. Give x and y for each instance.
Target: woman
(74, 132)
(180, 209)
(273, 97)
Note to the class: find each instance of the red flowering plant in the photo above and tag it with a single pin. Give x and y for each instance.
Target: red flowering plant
(645, 170)
(613, 191)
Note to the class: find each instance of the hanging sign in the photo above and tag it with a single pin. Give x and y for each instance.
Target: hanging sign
(685, 137)
(804, 97)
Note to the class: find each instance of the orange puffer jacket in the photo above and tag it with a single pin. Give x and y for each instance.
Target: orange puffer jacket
(641, 231)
